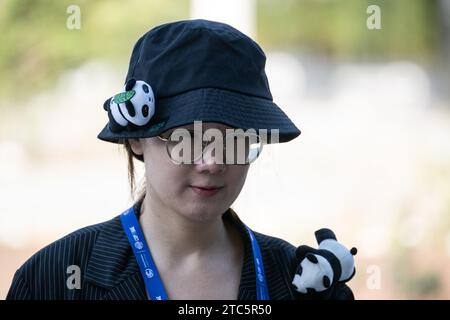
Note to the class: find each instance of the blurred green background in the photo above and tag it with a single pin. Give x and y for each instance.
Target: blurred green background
(35, 48)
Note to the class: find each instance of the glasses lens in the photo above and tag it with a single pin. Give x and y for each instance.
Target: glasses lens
(242, 148)
(184, 146)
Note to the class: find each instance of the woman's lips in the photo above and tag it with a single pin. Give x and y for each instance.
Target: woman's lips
(206, 191)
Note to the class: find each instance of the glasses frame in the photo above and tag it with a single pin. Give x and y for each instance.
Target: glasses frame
(206, 143)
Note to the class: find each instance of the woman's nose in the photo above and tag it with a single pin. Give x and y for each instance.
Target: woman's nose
(209, 162)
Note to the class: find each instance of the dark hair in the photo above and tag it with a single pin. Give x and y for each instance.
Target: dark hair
(140, 193)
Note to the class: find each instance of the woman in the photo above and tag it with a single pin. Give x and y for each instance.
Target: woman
(190, 84)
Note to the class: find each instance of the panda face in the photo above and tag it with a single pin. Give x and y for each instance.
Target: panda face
(313, 274)
(344, 256)
(141, 107)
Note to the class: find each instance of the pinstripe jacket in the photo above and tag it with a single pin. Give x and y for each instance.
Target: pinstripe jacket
(108, 268)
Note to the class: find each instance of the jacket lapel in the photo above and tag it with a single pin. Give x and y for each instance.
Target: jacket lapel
(112, 264)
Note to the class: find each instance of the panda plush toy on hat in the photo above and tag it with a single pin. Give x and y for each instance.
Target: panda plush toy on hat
(132, 108)
(321, 269)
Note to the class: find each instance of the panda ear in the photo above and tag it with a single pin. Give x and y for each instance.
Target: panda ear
(130, 84)
(106, 104)
(301, 251)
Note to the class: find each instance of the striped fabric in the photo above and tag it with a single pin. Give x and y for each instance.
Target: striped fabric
(109, 270)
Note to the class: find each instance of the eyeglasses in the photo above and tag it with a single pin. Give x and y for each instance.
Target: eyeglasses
(186, 146)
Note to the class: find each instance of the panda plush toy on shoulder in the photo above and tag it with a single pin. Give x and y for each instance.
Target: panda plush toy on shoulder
(319, 270)
(132, 108)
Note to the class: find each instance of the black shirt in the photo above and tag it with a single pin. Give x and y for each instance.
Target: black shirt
(108, 268)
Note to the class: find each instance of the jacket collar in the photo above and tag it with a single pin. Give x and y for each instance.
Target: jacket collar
(121, 273)
(105, 270)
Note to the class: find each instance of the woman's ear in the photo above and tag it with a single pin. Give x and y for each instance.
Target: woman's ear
(136, 146)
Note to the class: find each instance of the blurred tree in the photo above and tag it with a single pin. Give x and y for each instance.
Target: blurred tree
(36, 46)
(338, 27)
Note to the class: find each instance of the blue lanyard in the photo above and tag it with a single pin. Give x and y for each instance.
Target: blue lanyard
(152, 280)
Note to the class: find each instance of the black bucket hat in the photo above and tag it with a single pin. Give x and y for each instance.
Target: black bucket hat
(192, 70)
